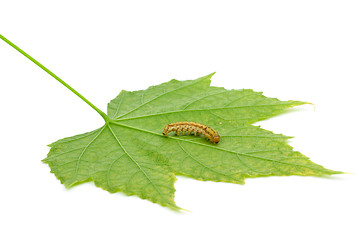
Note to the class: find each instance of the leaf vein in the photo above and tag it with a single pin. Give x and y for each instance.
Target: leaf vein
(134, 161)
(206, 109)
(143, 104)
(222, 149)
(204, 165)
(83, 152)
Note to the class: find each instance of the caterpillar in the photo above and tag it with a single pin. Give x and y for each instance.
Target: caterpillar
(196, 128)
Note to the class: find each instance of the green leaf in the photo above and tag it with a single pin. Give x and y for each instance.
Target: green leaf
(130, 154)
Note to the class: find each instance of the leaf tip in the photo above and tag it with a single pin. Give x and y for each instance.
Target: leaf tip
(207, 77)
(210, 75)
(298, 103)
(174, 208)
(340, 172)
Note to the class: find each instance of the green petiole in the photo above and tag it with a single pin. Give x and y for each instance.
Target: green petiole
(103, 115)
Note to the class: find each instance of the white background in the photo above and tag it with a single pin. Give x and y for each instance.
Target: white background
(298, 50)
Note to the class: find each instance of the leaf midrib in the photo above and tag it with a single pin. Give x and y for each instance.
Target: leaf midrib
(206, 109)
(222, 149)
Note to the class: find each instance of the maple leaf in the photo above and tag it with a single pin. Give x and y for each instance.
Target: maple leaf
(130, 154)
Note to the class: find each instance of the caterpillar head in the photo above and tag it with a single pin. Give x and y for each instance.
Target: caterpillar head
(216, 138)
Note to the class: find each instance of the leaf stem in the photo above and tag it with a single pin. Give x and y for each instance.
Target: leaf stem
(103, 115)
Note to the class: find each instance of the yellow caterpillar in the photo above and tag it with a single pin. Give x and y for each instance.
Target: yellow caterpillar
(192, 127)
